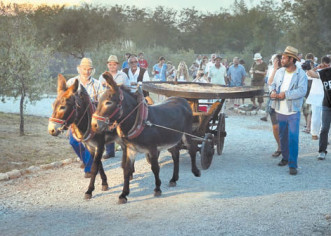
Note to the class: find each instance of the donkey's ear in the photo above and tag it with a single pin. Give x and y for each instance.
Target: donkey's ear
(74, 87)
(110, 80)
(61, 83)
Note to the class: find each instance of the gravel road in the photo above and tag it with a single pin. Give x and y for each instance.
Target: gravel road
(244, 192)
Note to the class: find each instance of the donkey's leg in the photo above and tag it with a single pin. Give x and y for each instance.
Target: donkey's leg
(175, 157)
(127, 165)
(192, 148)
(94, 170)
(124, 158)
(154, 154)
(103, 177)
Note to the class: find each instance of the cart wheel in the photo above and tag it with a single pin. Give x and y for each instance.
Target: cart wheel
(207, 151)
(221, 134)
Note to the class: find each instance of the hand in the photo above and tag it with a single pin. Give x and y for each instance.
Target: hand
(281, 95)
(273, 94)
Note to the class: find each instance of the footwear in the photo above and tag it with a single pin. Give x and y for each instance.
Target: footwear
(276, 153)
(314, 137)
(282, 163)
(82, 165)
(108, 155)
(293, 171)
(306, 131)
(321, 156)
(87, 175)
(264, 118)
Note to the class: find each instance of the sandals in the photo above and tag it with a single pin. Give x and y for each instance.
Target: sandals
(276, 153)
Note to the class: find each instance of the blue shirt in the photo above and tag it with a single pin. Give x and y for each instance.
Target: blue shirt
(236, 73)
(160, 72)
(297, 89)
(125, 64)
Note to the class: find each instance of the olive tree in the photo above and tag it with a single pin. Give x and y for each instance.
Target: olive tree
(23, 66)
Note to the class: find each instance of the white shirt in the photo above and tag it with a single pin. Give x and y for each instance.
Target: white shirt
(120, 78)
(217, 75)
(316, 94)
(283, 108)
(208, 66)
(134, 77)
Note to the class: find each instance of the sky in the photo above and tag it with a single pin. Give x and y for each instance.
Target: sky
(201, 5)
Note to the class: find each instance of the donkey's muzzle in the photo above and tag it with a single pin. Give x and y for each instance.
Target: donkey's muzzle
(98, 126)
(53, 129)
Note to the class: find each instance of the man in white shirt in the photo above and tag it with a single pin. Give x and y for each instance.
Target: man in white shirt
(210, 63)
(217, 72)
(135, 73)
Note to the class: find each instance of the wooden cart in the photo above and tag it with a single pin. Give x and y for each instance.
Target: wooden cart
(208, 126)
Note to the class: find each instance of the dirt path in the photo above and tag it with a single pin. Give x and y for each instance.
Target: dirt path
(244, 192)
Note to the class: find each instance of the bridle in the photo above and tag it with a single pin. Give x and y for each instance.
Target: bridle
(61, 121)
(118, 109)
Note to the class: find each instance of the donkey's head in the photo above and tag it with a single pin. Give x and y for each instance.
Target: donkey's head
(109, 107)
(64, 107)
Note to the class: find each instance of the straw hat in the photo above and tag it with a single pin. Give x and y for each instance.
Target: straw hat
(257, 56)
(86, 62)
(291, 52)
(112, 58)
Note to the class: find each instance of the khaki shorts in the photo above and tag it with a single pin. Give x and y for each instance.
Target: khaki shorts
(306, 108)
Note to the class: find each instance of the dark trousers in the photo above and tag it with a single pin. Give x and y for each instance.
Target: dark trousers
(324, 136)
(110, 149)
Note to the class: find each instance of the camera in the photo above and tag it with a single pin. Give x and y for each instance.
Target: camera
(306, 65)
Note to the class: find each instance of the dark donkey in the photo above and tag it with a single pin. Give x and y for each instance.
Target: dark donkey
(73, 107)
(122, 109)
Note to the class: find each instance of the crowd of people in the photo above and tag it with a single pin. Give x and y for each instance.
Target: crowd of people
(295, 85)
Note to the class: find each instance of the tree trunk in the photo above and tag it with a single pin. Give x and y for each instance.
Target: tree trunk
(22, 114)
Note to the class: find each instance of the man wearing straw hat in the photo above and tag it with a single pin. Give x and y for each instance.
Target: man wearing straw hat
(288, 90)
(94, 89)
(120, 78)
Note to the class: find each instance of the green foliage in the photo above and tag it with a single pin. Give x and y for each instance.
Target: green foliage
(24, 66)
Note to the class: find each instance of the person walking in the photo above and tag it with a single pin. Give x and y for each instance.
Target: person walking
(217, 72)
(236, 76)
(288, 90)
(325, 76)
(160, 70)
(94, 89)
(276, 63)
(142, 61)
(120, 78)
(258, 71)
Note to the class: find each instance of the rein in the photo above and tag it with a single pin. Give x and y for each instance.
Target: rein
(61, 121)
(89, 133)
(141, 118)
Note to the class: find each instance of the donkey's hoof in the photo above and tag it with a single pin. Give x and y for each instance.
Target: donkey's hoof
(87, 196)
(157, 193)
(172, 184)
(197, 173)
(105, 187)
(122, 200)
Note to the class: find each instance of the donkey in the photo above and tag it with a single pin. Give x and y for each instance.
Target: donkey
(120, 108)
(73, 107)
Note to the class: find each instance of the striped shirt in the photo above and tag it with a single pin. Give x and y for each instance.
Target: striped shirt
(93, 87)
